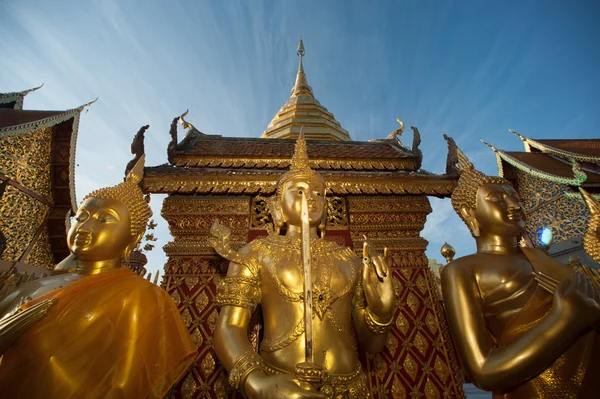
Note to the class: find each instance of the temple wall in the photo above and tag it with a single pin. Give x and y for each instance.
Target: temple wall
(418, 360)
(546, 206)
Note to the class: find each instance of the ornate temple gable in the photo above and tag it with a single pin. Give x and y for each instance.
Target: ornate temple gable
(581, 150)
(15, 100)
(37, 155)
(170, 179)
(202, 150)
(303, 109)
(546, 175)
(544, 166)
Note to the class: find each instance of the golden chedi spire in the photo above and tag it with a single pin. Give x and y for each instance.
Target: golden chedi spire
(303, 108)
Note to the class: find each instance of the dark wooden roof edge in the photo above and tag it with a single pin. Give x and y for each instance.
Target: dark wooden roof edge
(194, 136)
(52, 118)
(17, 97)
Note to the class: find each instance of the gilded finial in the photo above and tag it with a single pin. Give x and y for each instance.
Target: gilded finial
(401, 123)
(185, 124)
(448, 252)
(24, 93)
(301, 86)
(397, 133)
(81, 107)
(519, 135)
(489, 145)
(136, 174)
(300, 50)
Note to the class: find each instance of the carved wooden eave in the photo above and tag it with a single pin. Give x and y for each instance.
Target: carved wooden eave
(581, 150)
(554, 164)
(168, 179)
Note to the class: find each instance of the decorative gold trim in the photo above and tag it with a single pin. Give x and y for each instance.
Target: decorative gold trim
(284, 163)
(265, 184)
(376, 326)
(243, 366)
(176, 205)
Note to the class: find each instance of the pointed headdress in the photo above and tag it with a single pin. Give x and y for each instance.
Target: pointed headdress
(131, 195)
(300, 166)
(465, 193)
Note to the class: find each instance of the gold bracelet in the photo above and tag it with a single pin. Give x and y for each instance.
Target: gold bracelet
(375, 325)
(243, 366)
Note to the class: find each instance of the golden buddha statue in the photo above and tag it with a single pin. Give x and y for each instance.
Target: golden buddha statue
(100, 331)
(349, 298)
(523, 323)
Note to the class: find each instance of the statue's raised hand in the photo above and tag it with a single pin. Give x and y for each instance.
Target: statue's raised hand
(377, 284)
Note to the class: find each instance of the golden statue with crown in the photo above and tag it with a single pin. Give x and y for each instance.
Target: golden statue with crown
(100, 330)
(318, 300)
(524, 325)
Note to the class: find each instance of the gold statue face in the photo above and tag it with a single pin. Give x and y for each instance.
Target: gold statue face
(101, 230)
(291, 200)
(498, 211)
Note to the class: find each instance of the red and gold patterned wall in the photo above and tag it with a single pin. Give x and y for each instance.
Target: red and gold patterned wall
(418, 360)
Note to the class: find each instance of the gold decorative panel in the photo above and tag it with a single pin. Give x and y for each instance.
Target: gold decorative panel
(546, 206)
(41, 252)
(20, 217)
(25, 159)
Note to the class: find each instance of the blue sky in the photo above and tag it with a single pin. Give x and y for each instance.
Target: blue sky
(470, 69)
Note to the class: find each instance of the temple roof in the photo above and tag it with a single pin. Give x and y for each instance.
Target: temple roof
(581, 150)
(16, 119)
(303, 108)
(574, 162)
(203, 150)
(15, 100)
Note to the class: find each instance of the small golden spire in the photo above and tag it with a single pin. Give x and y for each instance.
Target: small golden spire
(448, 252)
(301, 86)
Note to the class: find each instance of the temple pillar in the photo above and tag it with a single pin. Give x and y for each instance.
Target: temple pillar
(418, 360)
(191, 275)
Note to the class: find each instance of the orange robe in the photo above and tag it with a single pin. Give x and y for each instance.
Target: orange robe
(111, 335)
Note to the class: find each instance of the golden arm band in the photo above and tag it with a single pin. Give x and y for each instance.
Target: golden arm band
(243, 366)
(238, 291)
(374, 324)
